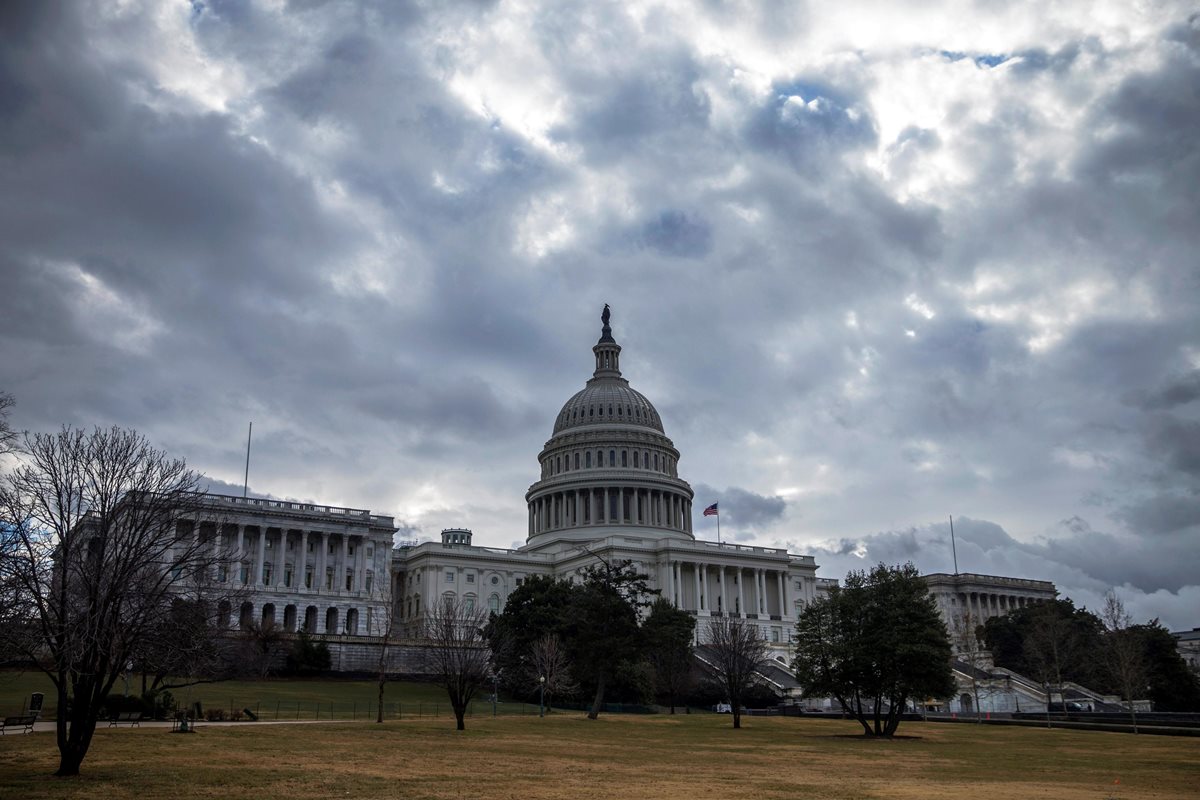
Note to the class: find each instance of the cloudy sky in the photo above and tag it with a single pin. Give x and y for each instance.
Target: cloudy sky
(875, 265)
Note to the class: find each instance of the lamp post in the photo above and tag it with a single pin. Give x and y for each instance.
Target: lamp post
(541, 695)
(495, 689)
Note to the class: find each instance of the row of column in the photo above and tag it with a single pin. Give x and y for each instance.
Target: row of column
(730, 595)
(983, 605)
(339, 571)
(610, 506)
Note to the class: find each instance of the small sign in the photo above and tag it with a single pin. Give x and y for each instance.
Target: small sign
(35, 703)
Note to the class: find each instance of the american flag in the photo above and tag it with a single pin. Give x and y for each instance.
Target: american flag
(711, 510)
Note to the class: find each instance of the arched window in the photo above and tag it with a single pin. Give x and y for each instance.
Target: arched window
(557, 465)
(656, 462)
(646, 459)
(624, 458)
(635, 459)
(494, 603)
(587, 459)
(612, 458)
(577, 461)
(591, 411)
(599, 458)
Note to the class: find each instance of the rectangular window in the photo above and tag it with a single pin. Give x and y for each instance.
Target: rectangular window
(370, 552)
(287, 577)
(270, 544)
(308, 578)
(799, 586)
(312, 546)
(266, 573)
(244, 574)
(369, 582)
(350, 549)
(775, 632)
(449, 577)
(329, 579)
(349, 581)
(331, 551)
(470, 577)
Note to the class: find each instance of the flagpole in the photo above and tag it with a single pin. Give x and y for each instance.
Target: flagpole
(718, 524)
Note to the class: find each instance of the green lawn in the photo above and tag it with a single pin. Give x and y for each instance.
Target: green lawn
(283, 699)
(627, 757)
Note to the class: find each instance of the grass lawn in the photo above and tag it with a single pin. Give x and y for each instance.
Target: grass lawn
(289, 699)
(627, 757)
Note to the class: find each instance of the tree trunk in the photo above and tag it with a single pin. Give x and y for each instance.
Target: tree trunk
(1133, 716)
(598, 701)
(737, 717)
(379, 712)
(460, 711)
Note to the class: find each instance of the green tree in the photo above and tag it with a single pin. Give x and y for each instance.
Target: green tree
(1052, 641)
(308, 656)
(535, 609)
(1171, 685)
(604, 634)
(668, 633)
(873, 644)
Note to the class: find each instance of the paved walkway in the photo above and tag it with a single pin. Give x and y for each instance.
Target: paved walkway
(47, 726)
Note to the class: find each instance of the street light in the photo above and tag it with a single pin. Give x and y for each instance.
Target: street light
(495, 689)
(541, 695)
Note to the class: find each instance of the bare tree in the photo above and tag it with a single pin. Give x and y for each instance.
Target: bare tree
(100, 531)
(457, 651)
(737, 652)
(385, 663)
(549, 660)
(1123, 653)
(1048, 648)
(963, 635)
(8, 437)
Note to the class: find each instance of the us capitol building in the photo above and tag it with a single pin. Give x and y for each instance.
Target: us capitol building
(609, 488)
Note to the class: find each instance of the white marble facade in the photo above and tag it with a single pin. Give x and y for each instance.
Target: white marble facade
(609, 486)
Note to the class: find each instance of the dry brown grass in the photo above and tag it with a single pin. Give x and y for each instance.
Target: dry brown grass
(623, 757)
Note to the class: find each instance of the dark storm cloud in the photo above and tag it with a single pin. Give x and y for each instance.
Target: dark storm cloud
(674, 233)
(896, 284)
(742, 511)
(1178, 390)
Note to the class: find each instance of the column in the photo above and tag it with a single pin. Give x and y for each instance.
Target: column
(339, 575)
(671, 581)
(607, 507)
(760, 590)
(782, 593)
(678, 573)
(361, 582)
(281, 558)
(262, 555)
(696, 576)
(302, 561)
(216, 552)
(741, 584)
(240, 546)
(323, 562)
(724, 604)
(786, 577)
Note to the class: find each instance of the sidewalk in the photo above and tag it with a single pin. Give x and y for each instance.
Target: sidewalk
(47, 726)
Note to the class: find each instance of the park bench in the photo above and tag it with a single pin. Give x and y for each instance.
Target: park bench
(131, 718)
(25, 723)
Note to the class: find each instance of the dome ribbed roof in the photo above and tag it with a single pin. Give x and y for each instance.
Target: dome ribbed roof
(607, 398)
(607, 401)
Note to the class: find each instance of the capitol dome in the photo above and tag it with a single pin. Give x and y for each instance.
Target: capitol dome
(608, 463)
